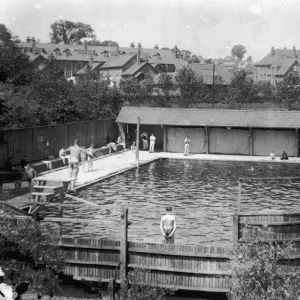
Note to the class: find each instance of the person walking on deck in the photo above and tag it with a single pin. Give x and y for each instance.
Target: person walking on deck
(75, 152)
(152, 143)
(168, 226)
(187, 142)
(83, 158)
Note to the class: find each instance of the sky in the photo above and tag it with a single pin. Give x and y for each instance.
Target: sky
(206, 27)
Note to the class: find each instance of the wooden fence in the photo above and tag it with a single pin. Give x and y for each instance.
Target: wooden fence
(40, 142)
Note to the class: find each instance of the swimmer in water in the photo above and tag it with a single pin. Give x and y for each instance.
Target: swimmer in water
(168, 226)
(75, 152)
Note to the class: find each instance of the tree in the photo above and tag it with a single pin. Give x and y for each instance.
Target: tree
(166, 86)
(190, 85)
(259, 269)
(136, 287)
(15, 66)
(249, 59)
(242, 90)
(95, 98)
(266, 91)
(109, 43)
(30, 256)
(69, 32)
(238, 51)
(54, 94)
(288, 91)
(165, 48)
(208, 61)
(131, 89)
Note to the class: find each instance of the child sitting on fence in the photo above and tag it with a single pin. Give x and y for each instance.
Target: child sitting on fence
(284, 156)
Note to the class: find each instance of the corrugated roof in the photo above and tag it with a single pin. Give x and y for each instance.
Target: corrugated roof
(207, 117)
(119, 61)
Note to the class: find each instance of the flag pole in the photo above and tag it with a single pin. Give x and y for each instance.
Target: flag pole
(137, 141)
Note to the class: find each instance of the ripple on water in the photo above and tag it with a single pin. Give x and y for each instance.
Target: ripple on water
(203, 196)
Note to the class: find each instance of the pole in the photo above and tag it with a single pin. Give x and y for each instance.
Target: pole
(123, 251)
(137, 141)
(213, 88)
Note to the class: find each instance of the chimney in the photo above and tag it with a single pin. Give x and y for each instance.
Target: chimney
(139, 52)
(176, 51)
(156, 47)
(85, 45)
(272, 51)
(295, 52)
(33, 42)
(28, 39)
(117, 48)
(132, 45)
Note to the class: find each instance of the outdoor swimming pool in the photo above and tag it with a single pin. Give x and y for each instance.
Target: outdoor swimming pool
(203, 195)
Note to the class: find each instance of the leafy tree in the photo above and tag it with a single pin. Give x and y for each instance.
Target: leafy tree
(194, 59)
(166, 86)
(136, 287)
(208, 61)
(165, 48)
(242, 90)
(20, 109)
(190, 86)
(108, 43)
(288, 91)
(130, 89)
(15, 66)
(238, 51)
(69, 32)
(249, 59)
(54, 94)
(94, 97)
(30, 256)
(266, 91)
(259, 269)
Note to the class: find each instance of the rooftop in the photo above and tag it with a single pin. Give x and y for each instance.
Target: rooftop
(210, 118)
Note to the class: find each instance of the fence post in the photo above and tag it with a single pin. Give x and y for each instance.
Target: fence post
(235, 237)
(239, 195)
(123, 249)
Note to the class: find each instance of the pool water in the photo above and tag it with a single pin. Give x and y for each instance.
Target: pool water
(203, 195)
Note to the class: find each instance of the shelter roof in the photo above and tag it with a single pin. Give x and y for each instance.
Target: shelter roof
(209, 117)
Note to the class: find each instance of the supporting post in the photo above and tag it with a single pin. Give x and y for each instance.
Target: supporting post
(297, 142)
(207, 139)
(61, 209)
(235, 237)
(251, 141)
(165, 139)
(213, 87)
(111, 288)
(239, 195)
(137, 141)
(123, 248)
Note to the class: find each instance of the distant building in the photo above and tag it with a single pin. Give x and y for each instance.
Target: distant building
(276, 64)
(74, 57)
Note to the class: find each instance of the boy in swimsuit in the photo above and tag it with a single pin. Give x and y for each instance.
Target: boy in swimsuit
(186, 145)
(30, 174)
(168, 226)
(91, 151)
(83, 158)
(75, 152)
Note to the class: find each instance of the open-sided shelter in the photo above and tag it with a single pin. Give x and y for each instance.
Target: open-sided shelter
(240, 132)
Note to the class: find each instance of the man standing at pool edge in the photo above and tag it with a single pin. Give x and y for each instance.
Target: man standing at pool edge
(168, 226)
(75, 152)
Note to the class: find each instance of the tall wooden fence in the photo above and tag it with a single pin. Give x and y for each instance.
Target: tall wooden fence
(40, 142)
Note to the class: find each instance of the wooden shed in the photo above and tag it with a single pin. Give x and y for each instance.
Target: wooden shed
(240, 132)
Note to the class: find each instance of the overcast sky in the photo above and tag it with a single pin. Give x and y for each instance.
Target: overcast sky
(207, 27)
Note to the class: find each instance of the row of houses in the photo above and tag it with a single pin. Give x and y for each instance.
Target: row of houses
(116, 63)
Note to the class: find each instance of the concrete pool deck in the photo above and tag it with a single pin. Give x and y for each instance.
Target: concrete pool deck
(104, 167)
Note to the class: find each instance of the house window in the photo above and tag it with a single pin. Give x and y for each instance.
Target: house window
(68, 73)
(296, 68)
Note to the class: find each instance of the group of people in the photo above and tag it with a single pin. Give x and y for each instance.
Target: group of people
(284, 155)
(144, 138)
(25, 168)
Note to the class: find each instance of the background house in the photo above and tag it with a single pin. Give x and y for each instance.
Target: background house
(276, 64)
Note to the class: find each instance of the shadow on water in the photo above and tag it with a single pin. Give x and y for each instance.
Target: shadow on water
(203, 195)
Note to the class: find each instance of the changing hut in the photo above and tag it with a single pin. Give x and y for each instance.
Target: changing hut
(239, 132)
